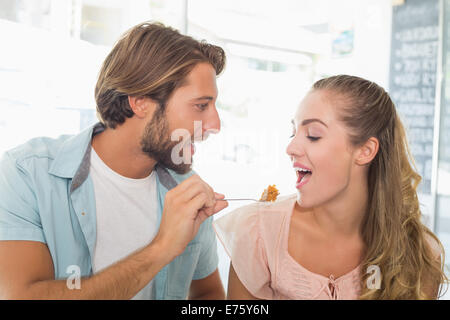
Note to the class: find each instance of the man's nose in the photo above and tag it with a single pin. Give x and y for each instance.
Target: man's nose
(211, 123)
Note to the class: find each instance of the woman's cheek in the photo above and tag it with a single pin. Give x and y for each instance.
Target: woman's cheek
(333, 173)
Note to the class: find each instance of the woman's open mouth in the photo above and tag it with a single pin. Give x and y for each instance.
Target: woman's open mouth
(303, 176)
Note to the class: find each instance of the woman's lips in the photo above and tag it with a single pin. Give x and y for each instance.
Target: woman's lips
(303, 177)
(303, 174)
(302, 180)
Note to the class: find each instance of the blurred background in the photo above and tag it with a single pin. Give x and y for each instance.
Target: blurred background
(52, 51)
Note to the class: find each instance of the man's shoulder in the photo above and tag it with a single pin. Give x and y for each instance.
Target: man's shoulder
(63, 154)
(39, 147)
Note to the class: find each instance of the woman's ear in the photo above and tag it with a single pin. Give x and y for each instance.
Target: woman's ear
(367, 151)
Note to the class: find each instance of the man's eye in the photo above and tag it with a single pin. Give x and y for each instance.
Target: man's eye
(313, 138)
(202, 106)
(292, 135)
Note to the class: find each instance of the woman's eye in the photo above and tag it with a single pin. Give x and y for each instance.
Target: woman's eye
(313, 138)
(292, 135)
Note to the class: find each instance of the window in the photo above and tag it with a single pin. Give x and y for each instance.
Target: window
(275, 52)
(55, 50)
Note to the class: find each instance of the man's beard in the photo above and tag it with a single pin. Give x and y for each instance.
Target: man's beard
(156, 143)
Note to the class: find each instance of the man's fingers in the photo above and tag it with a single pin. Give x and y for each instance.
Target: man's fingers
(208, 211)
(200, 196)
(198, 202)
(202, 216)
(205, 213)
(211, 195)
(219, 196)
(219, 206)
(188, 191)
(192, 192)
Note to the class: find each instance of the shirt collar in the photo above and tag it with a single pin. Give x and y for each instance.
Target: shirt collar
(73, 151)
(73, 164)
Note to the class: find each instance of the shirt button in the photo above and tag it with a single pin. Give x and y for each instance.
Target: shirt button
(83, 213)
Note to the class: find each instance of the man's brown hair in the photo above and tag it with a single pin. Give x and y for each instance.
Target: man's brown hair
(149, 60)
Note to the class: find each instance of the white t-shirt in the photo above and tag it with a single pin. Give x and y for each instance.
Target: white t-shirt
(126, 216)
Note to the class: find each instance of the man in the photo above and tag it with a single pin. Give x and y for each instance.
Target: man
(115, 212)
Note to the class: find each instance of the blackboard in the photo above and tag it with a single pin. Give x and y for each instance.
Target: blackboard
(412, 77)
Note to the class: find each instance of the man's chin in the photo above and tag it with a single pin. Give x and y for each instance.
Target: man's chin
(164, 160)
(178, 168)
(183, 170)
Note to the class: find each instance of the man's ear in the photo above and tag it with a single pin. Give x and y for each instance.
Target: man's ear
(367, 151)
(141, 106)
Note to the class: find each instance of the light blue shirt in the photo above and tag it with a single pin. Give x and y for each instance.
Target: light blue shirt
(47, 195)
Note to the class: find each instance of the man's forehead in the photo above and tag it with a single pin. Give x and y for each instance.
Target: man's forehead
(200, 90)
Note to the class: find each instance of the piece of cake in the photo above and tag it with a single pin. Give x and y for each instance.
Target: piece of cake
(270, 194)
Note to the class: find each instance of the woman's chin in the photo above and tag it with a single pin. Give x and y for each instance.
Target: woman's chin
(301, 200)
(305, 202)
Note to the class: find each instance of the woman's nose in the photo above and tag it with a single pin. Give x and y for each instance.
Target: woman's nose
(295, 148)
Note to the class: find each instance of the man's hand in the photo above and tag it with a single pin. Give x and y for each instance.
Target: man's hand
(185, 208)
(27, 272)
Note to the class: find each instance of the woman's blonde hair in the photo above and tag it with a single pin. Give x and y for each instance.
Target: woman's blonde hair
(395, 238)
(150, 60)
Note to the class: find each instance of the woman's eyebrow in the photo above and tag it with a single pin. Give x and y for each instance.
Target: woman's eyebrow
(307, 121)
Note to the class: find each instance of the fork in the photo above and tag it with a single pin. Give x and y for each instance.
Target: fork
(246, 199)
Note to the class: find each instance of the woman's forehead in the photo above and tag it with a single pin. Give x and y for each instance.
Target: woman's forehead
(316, 105)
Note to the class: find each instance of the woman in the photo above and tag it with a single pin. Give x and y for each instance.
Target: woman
(353, 230)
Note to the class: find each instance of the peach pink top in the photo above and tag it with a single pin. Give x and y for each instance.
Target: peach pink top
(256, 239)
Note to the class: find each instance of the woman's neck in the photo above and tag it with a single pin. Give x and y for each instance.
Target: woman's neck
(342, 216)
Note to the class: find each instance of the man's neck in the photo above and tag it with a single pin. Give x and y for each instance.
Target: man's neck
(120, 150)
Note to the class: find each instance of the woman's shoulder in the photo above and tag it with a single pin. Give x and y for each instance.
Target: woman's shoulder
(258, 219)
(273, 215)
(262, 210)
